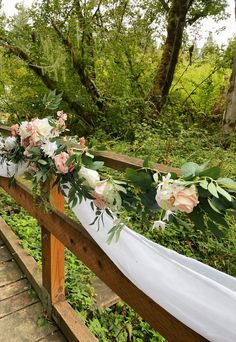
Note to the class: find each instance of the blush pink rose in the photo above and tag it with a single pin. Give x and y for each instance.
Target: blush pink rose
(185, 199)
(60, 162)
(99, 200)
(15, 130)
(82, 142)
(62, 117)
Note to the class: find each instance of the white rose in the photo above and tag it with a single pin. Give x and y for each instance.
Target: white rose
(23, 130)
(91, 176)
(43, 129)
(49, 148)
(10, 143)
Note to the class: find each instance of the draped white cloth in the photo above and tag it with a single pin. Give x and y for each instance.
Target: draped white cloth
(198, 295)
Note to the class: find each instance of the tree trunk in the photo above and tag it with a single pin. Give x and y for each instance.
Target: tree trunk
(175, 27)
(229, 120)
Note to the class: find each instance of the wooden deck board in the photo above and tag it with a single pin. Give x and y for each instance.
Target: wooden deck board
(14, 288)
(5, 255)
(17, 302)
(21, 326)
(54, 337)
(9, 273)
(19, 308)
(104, 296)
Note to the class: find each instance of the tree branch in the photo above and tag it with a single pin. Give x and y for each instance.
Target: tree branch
(86, 81)
(48, 82)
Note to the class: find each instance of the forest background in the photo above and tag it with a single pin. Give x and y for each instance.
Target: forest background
(131, 80)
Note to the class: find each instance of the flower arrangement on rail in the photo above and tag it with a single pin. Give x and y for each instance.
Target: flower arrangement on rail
(198, 193)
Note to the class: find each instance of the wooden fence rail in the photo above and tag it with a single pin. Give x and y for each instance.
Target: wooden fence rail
(59, 231)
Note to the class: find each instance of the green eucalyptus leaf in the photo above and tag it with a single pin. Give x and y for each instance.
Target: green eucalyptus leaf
(141, 179)
(227, 183)
(213, 206)
(213, 172)
(204, 184)
(224, 193)
(42, 162)
(213, 190)
(189, 169)
(221, 203)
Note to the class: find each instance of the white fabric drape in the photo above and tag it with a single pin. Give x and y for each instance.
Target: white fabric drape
(198, 295)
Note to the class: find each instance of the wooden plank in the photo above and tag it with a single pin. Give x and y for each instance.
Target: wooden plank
(53, 255)
(9, 273)
(25, 261)
(5, 255)
(104, 296)
(121, 162)
(14, 288)
(72, 325)
(22, 325)
(75, 238)
(19, 301)
(53, 266)
(30, 268)
(54, 337)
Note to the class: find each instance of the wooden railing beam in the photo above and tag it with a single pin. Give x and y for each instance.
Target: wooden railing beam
(120, 162)
(75, 238)
(53, 256)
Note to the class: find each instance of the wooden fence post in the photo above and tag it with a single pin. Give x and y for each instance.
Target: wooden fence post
(53, 256)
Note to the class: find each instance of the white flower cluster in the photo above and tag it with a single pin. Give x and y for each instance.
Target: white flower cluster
(7, 145)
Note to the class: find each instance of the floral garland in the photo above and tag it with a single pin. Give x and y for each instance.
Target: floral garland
(199, 193)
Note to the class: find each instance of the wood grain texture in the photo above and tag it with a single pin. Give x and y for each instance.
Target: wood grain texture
(72, 325)
(26, 262)
(14, 288)
(121, 162)
(70, 322)
(21, 326)
(17, 302)
(5, 255)
(75, 238)
(54, 337)
(53, 254)
(53, 266)
(104, 296)
(9, 273)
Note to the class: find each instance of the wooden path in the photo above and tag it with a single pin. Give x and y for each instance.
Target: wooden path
(20, 307)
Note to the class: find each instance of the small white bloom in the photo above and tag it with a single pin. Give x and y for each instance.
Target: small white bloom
(10, 143)
(91, 176)
(164, 195)
(23, 130)
(167, 215)
(49, 148)
(159, 225)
